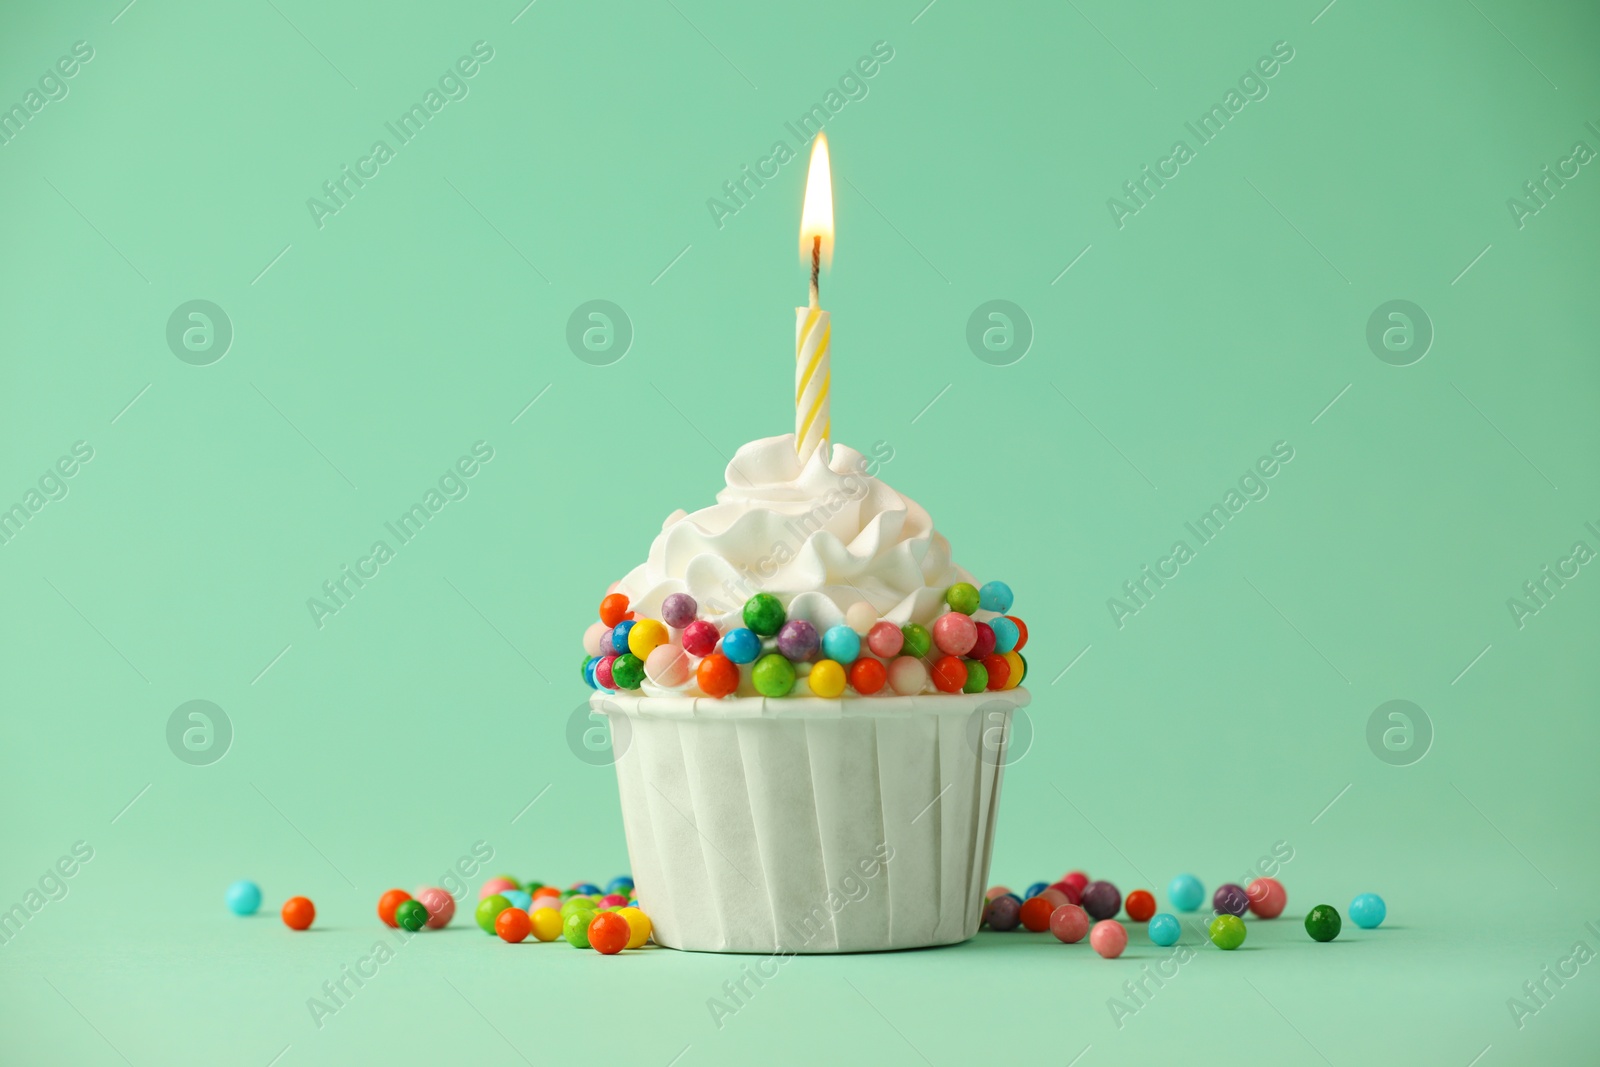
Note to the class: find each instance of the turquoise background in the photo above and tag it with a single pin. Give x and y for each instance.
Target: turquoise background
(1228, 314)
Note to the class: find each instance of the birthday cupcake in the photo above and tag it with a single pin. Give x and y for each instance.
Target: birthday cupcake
(810, 706)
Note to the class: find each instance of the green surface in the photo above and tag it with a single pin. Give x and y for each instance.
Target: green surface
(386, 350)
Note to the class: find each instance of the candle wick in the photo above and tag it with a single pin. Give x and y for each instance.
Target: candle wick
(816, 268)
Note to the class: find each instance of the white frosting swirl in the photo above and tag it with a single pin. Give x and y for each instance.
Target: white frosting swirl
(819, 537)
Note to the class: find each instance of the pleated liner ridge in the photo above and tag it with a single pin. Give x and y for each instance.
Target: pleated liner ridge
(811, 826)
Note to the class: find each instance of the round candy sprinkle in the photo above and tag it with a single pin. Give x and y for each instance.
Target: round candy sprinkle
(826, 679)
(962, 597)
(678, 610)
(546, 923)
(1368, 911)
(588, 889)
(620, 884)
(949, 674)
(645, 636)
(519, 898)
(1034, 890)
(602, 671)
(390, 901)
(1140, 905)
(619, 636)
(1035, 914)
(639, 926)
(667, 666)
(1267, 897)
(907, 676)
(1186, 893)
(995, 597)
(411, 915)
(588, 671)
(1101, 900)
(1230, 899)
(1070, 891)
(977, 677)
(700, 638)
(998, 670)
(955, 633)
(797, 640)
(1227, 931)
(716, 675)
(513, 926)
(886, 640)
(1055, 896)
(1019, 669)
(917, 640)
(613, 609)
(440, 904)
(860, 617)
(244, 898)
(609, 933)
(577, 903)
(983, 646)
(489, 909)
(1108, 938)
(994, 892)
(1164, 929)
(1077, 879)
(868, 676)
(841, 643)
(575, 928)
(627, 671)
(763, 614)
(741, 645)
(1322, 922)
(1069, 923)
(772, 675)
(591, 638)
(1022, 632)
(298, 913)
(1005, 633)
(497, 884)
(1005, 913)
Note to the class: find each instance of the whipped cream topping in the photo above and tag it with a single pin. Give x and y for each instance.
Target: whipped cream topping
(819, 536)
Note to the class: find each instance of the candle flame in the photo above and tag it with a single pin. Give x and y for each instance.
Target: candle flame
(816, 218)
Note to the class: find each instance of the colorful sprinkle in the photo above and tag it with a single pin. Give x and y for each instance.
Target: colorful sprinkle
(700, 638)
(962, 597)
(679, 610)
(841, 643)
(827, 679)
(764, 614)
(772, 675)
(995, 597)
(741, 645)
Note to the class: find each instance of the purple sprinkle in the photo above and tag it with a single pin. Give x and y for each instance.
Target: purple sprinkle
(1005, 913)
(1101, 900)
(1230, 899)
(678, 610)
(797, 640)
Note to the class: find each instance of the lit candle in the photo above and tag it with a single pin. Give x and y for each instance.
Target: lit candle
(811, 374)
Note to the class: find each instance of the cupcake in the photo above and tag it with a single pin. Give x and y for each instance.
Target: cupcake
(810, 703)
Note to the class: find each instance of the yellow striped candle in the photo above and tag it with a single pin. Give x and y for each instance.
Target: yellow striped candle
(811, 381)
(811, 377)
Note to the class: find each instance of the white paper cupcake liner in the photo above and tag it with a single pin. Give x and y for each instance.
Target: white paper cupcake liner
(807, 825)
